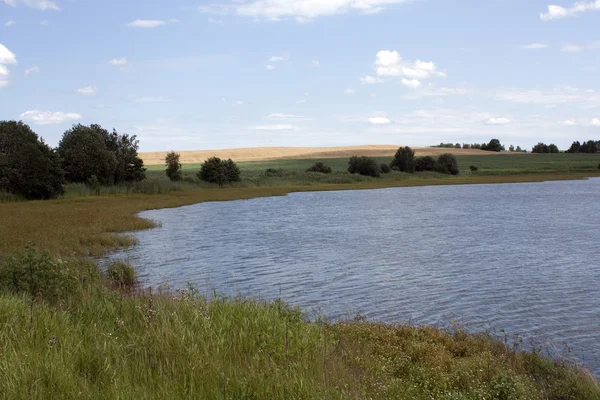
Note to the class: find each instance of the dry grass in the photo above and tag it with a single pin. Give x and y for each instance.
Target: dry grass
(282, 153)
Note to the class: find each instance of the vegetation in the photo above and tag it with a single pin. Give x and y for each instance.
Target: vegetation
(385, 168)
(404, 160)
(215, 170)
(586, 147)
(28, 167)
(320, 167)
(473, 168)
(426, 163)
(364, 166)
(122, 275)
(544, 148)
(173, 170)
(447, 164)
(493, 145)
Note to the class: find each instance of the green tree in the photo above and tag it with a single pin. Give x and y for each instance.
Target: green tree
(215, 170)
(129, 167)
(173, 170)
(364, 166)
(426, 163)
(493, 145)
(84, 154)
(28, 167)
(320, 167)
(404, 160)
(447, 164)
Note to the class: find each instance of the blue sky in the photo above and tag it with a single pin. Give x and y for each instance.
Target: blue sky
(222, 74)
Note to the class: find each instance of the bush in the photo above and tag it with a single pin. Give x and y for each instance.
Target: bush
(364, 166)
(320, 167)
(447, 164)
(121, 275)
(272, 172)
(87, 151)
(426, 163)
(215, 170)
(404, 160)
(473, 168)
(493, 145)
(28, 167)
(385, 169)
(173, 170)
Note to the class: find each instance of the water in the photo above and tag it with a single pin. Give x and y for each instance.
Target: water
(520, 257)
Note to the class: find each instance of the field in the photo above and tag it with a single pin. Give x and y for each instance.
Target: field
(66, 332)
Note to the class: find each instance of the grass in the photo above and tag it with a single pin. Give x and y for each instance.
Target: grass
(71, 330)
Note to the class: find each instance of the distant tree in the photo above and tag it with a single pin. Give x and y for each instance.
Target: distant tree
(511, 148)
(173, 170)
(447, 164)
(457, 146)
(520, 150)
(84, 154)
(28, 167)
(575, 147)
(553, 148)
(493, 145)
(404, 160)
(320, 167)
(385, 168)
(466, 146)
(541, 148)
(129, 167)
(215, 170)
(426, 163)
(363, 166)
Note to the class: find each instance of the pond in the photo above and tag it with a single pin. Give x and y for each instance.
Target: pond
(520, 258)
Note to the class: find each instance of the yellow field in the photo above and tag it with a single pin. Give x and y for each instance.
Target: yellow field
(282, 153)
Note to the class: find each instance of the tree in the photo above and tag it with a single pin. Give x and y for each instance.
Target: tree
(457, 146)
(385, 168)
(553, 148)
(363, 166)
(84, 154)
(404, 160)
(173, 170)
(540, 148)
(28, 167)
(575, 147)
(426, 163)
(520, 150)
(320, 167)
(215, 170)
(511, 148)
(493, 145)
(447, 164)
(129, 167)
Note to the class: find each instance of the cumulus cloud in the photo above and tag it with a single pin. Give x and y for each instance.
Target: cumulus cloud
(498, 121)
(390, 64)
(275, 127)
(118, 61)
(156, 99)
(570, 123)
(283, 57)
(596, 122)
(89, 90)
(38, 4)
(47, 117)
(379, 121)
(7, 57)
(301, 10)
(534, 46)
(146, 23)
(348, 91)
(370, 80)
(287, 117)
(270, 67)
(32, 70)
(411, 83)
(559, 12)
(9, 23)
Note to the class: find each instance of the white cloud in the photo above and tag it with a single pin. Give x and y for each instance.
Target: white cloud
(275, 127)
(7, 57)
(239, 103)
(157, 99)
(287, 117)
(571, 48)
(369, 80)
(570, 123)
(48, 117)
(89, 90)
(146, 23)
(379, 121)
(348, 91)
(558, 12)
(118, 61)
(10, 23)
(300, 10)
(270, 67)
(498, 121)
(283, 57)
(534, 46)
(411, 83)
(32, 70)
(4, 73)
(38, 4)
(215, 21)
(390, 64)
(303, 101)
(315, 64)
(596, 122)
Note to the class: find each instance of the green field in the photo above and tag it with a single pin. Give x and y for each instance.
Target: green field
(67, 330)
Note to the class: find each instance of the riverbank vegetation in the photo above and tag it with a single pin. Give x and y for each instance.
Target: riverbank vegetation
(71, 329)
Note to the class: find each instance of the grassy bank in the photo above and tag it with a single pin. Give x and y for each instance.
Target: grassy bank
(66, 332)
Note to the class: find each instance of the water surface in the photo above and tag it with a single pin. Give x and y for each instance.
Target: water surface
(520, 257)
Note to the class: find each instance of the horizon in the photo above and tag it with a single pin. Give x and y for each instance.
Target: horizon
(281, 73)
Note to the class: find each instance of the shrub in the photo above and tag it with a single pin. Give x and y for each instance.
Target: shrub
(385, 169)
(473, 168)
(363, 166)
(320, 167)
(215, 170)
(173, 170)
(426, 163)
(404, 160)
(121, 275)
(28, 167)
(447, 164)
(87, 151)
(271, 172)
(493, 145)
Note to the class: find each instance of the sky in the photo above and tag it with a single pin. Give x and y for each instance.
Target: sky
(185, 75)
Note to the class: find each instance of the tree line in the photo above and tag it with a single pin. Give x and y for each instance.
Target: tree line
(492, 145)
